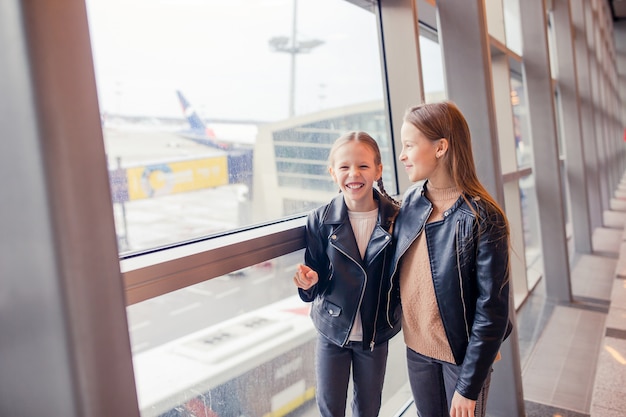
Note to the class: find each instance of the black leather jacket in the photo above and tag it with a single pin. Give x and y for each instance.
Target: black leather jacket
(346, 282)
(469, 260)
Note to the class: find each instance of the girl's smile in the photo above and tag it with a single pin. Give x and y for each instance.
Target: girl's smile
(354, 169)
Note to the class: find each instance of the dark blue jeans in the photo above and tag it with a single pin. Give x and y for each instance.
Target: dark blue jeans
(333, 365)
(433, 382)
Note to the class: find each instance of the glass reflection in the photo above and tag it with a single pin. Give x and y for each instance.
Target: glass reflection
(238, 345)
(523, 144)
(527, 188)
(225, 347)
(530, 224)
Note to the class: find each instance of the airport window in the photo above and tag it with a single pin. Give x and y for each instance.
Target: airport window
(523, 144)
(552, 50)
(218, 117)
(238, 345)
(241, 344)
(527, 186)
(512, 26)
(306, 182)
(432, 66)
(205, 106)
(562, 156)
(297, 206)
(530, 224)
(306, 167)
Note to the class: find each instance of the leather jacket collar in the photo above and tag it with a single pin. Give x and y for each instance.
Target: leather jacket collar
(337, 215)
(338, 211)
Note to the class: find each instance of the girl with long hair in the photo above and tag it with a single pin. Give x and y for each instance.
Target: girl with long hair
(452, 263)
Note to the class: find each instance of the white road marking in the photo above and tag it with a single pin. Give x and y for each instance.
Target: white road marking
(199, 291)
(140, 325)
(263, 279)
(185, 309)
(227, 293)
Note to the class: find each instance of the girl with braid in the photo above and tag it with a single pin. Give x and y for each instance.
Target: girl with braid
(355, 306)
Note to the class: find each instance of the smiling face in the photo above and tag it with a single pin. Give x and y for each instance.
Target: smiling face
(423, 158)
(354, 169)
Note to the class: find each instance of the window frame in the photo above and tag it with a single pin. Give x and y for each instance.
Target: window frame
(158, 272)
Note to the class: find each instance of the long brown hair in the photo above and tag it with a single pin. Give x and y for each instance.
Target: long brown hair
(445, 120)
(366, 139)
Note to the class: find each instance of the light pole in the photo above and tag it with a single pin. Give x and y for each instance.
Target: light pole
(293, 46)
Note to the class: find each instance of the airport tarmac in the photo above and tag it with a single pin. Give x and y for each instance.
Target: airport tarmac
(154, 222)
(131, 145)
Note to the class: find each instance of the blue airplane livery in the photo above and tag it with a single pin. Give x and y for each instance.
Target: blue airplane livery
(198, 131)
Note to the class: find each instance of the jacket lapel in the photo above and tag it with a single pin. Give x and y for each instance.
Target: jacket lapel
(342, 236)
(381, 235)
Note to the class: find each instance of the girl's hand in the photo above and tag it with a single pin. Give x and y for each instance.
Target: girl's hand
(305, 277)
(461, 406)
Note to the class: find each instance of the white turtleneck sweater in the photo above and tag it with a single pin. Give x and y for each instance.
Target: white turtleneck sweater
(363, 223)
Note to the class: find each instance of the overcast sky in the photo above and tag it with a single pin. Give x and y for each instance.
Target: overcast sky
(217, 53)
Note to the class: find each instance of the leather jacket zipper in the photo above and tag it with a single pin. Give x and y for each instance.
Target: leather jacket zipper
(380, 288)
(458, 262)
(358, 309)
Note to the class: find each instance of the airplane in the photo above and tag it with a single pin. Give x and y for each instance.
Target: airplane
(199, 132)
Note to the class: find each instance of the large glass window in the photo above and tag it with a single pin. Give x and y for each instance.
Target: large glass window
(521, 123)
(432, 67)
(220, 114)
(512, 25)
(237, 345)
(527, 187)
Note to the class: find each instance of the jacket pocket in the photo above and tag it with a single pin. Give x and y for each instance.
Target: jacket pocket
(331, 309)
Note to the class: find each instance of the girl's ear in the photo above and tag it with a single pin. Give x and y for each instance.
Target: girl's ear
(442, 147)
(331, 171)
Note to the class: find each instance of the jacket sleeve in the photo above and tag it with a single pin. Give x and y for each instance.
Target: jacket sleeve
(315, 255)
(492, 304)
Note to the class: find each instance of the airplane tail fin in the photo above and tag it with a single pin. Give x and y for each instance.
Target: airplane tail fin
(195, 122)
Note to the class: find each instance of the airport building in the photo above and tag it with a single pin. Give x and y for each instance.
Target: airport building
(291, 158)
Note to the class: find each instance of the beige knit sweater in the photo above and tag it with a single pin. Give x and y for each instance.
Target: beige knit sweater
(421, 323)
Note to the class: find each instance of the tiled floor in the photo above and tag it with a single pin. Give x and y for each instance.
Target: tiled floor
(558, 372)
(560, 343)
(573, 354)
(609, 395)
